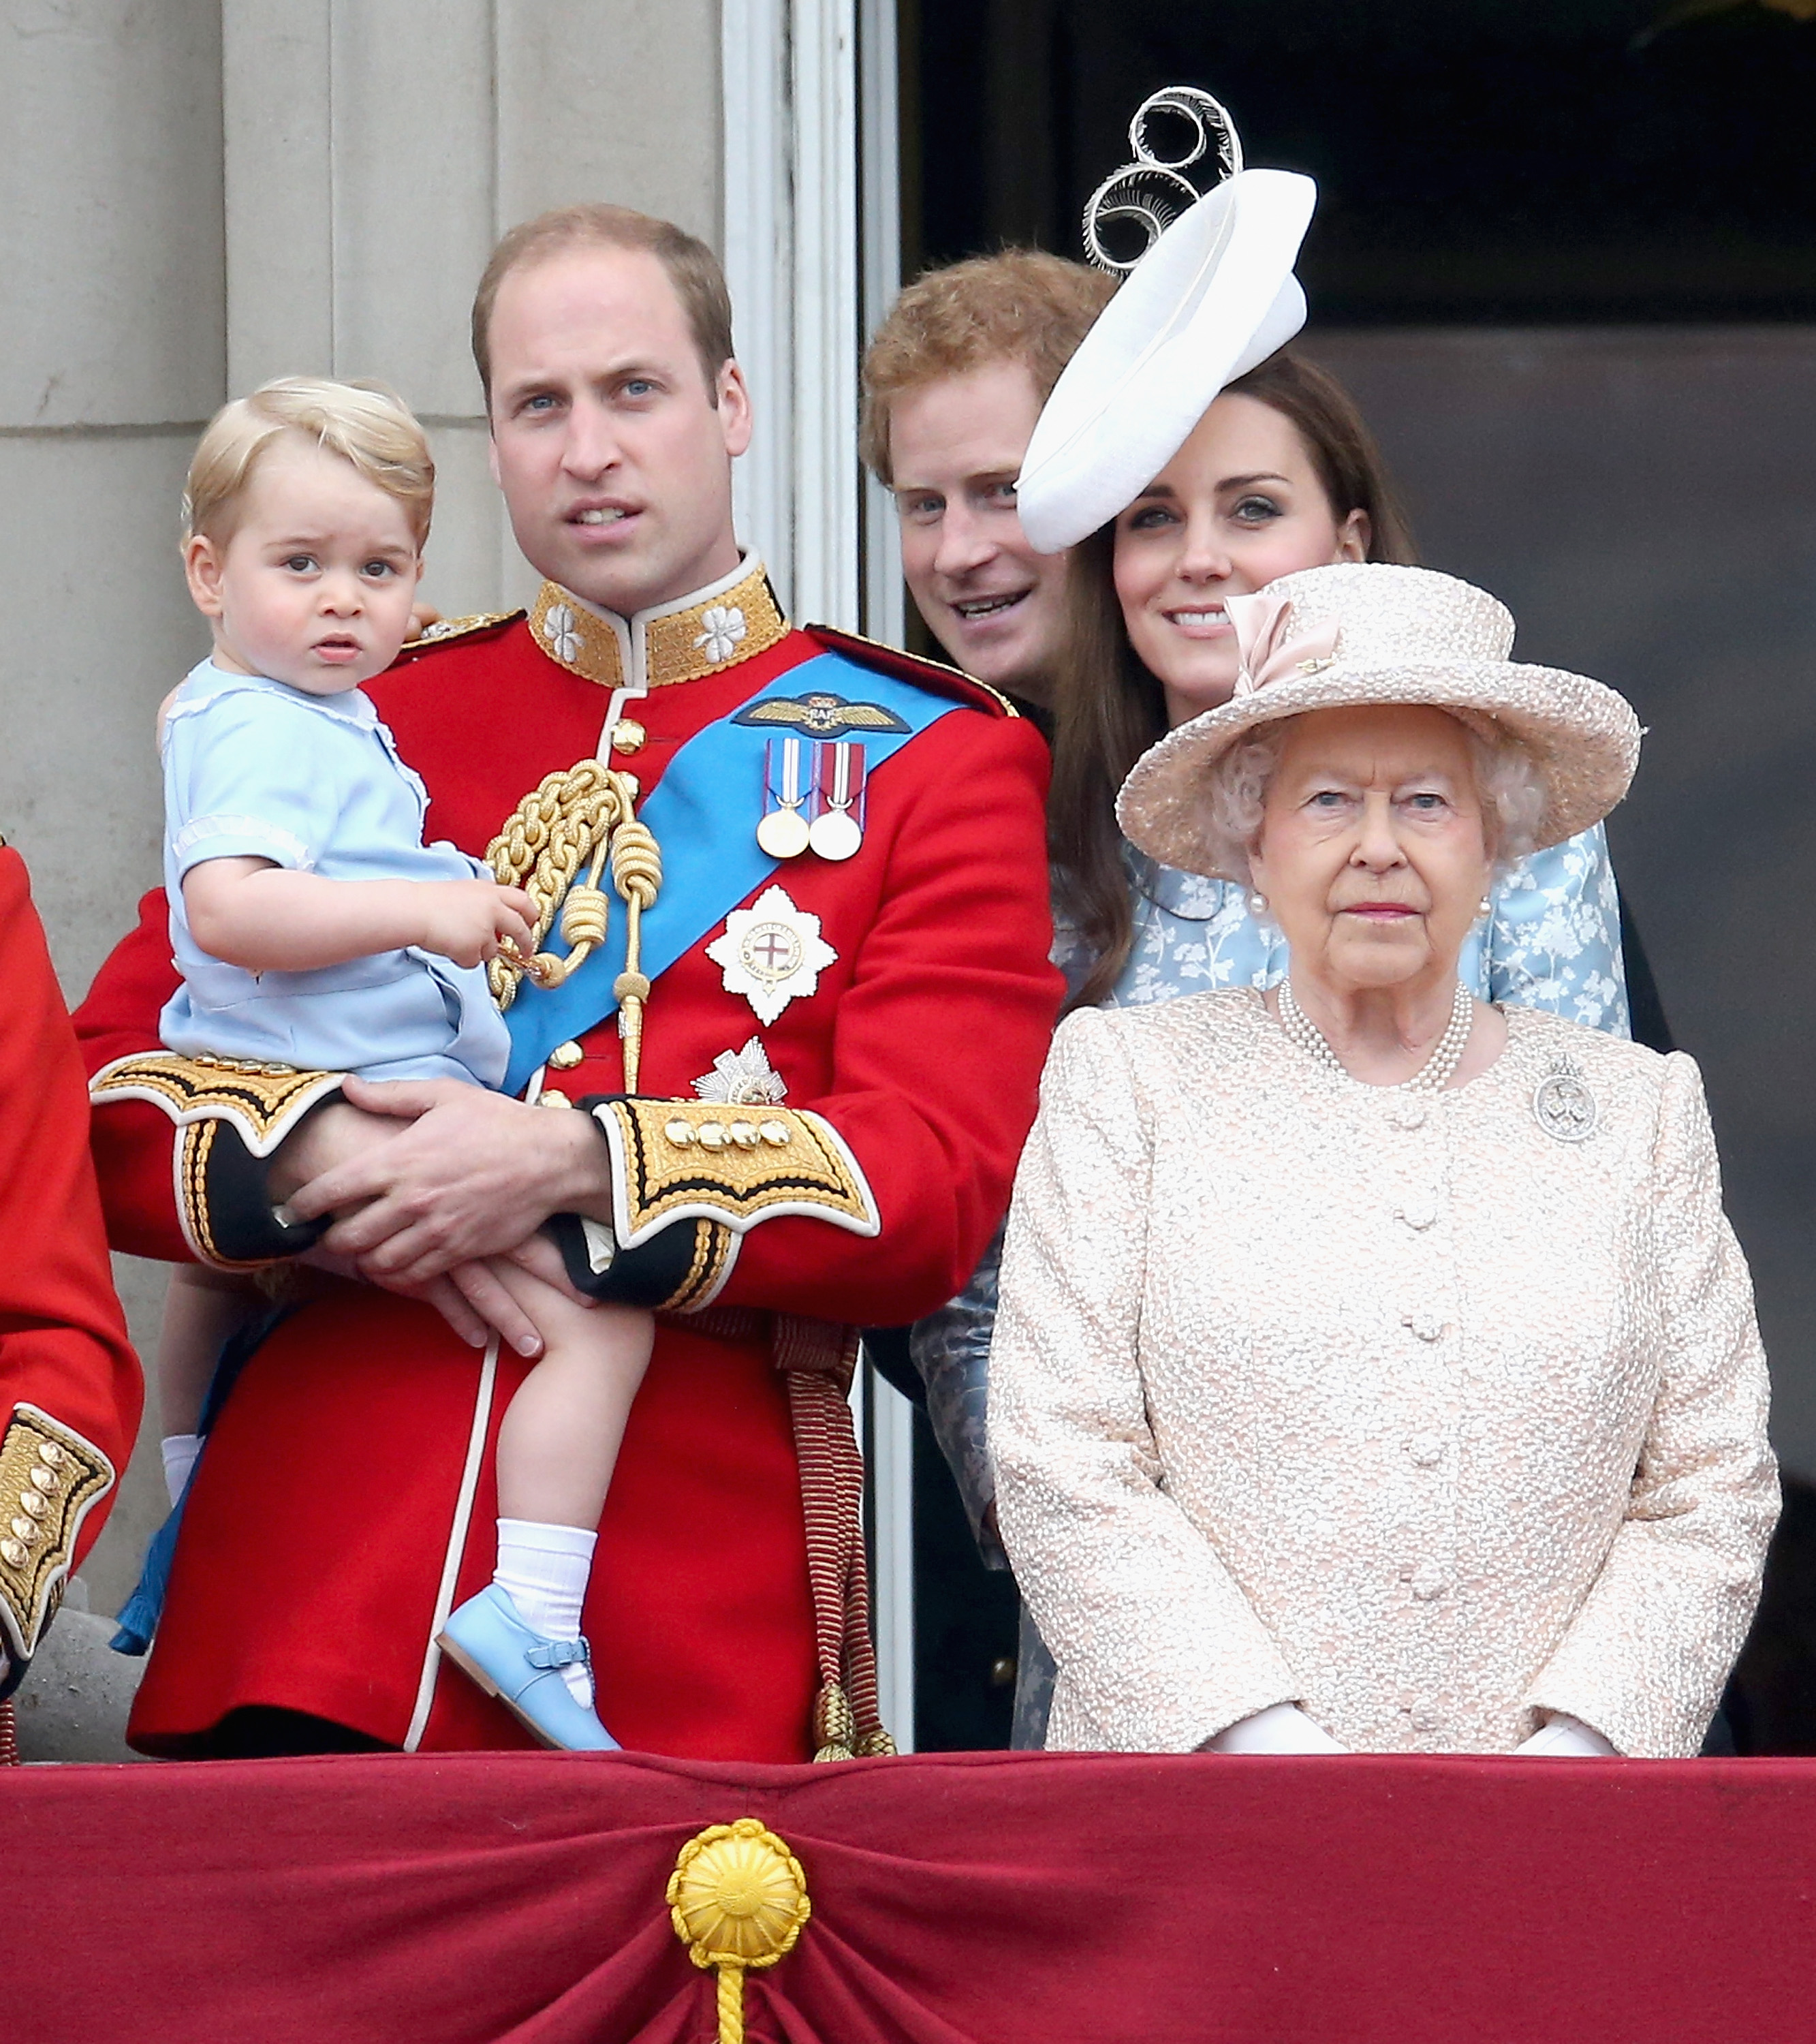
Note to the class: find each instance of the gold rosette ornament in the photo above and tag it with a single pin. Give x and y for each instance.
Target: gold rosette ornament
(738, 1899)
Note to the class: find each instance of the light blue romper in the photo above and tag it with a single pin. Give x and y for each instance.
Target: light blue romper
(255, 768)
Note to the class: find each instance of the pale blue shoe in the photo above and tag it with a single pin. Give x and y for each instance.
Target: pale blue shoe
(487, 1639)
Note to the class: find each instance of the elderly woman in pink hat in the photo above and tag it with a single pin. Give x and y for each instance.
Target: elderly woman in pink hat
(1374, 1369)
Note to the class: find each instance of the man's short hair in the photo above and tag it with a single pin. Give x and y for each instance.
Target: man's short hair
(367, 424)
(1019, 305)
(693, 269)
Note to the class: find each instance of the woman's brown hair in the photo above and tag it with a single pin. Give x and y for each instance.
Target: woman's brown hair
(1108, 709)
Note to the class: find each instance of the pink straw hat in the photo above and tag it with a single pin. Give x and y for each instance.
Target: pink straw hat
(1363, 632)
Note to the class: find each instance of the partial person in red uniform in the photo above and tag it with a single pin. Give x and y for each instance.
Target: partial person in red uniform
(804, 1062)
(70, 1388)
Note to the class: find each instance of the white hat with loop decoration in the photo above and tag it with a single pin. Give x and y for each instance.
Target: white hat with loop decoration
(1367, 632)
(1212, 298)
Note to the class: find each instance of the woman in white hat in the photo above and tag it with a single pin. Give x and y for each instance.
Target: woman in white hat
(1374, 1369)
(1189, 456)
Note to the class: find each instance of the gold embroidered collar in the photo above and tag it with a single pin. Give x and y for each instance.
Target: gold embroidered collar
(733, 620)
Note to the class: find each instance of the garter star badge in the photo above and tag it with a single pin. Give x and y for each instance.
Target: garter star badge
(772, 954)
(1563, 1105)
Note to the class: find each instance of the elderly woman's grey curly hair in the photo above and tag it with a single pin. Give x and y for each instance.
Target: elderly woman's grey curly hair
(1509, 782)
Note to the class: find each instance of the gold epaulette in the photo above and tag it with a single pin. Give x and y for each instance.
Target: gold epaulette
(49, 1477)
(263, 1102)
(695, 1159)
(461, 628)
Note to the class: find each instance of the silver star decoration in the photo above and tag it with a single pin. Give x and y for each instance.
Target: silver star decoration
(743, 1078)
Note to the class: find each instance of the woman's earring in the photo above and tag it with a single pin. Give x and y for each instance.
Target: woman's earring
(1484, 908)
(1257, 903)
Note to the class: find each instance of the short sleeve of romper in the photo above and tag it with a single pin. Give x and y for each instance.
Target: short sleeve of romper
(248, 774)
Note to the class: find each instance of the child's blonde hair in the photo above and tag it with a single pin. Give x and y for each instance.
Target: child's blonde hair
(365, 423)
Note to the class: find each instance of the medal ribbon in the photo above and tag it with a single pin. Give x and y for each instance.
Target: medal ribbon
(711, 862)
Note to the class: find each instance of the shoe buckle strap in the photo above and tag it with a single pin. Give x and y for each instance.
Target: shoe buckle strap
(559, 1653)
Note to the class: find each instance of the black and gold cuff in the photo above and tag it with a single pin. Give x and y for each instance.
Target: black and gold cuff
(230, 1114)
(49, 1477)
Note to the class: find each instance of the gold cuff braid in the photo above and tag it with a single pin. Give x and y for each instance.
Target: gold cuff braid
(49, 1477)
(715, 1249)
(264, 1102)
(682, 1159)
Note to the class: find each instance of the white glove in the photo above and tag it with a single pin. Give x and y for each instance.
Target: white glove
(1564, 1738)
(1280, 1728)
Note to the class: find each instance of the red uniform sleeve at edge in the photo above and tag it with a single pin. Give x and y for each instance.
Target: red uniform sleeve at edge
(62, 1335)
(940, 1041)
(133, 1141)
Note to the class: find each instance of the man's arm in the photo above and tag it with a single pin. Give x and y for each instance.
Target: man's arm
(938, 1046)
(178, 1189)
(69, 1386)
(938, 1041)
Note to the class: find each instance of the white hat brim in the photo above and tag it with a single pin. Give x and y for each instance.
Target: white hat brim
(1213, 298)
(1583, 735)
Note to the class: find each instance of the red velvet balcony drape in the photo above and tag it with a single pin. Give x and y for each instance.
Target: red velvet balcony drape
(973, 1899)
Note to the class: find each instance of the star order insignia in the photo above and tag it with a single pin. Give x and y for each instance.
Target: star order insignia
(743, 1079)
(772, 953)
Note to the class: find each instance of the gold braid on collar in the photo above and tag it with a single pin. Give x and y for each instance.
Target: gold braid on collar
(686, 644)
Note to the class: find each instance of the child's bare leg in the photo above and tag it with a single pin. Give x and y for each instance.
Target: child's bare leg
(203, 1309)
(559, 1440)
(557, 1449)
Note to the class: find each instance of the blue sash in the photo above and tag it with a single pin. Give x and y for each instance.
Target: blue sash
(704, 813)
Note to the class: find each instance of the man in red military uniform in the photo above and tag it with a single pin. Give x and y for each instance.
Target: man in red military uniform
(70, 1388)
(804, 1056)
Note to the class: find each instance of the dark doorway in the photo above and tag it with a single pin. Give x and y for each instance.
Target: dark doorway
(1498, 161)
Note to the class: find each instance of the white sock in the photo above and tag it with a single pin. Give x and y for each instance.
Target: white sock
(543, 1569)
(180, 1451)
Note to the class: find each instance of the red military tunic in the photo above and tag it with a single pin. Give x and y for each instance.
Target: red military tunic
(69, 1389)
(347, 1493)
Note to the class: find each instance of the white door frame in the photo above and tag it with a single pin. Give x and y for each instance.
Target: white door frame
(812, 250)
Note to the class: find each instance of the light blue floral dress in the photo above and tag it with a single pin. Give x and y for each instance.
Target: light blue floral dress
(1552, 941)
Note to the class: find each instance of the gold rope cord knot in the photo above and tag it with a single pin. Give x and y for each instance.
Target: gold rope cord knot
(575, 822)
(737, 1900)
(637, 874)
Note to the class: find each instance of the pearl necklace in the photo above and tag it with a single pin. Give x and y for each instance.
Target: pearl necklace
(1433, 1076)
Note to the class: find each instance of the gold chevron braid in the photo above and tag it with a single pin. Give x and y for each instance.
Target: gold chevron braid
(697, 1156)
(49, 1477)
(263, 1101)
(582, 817)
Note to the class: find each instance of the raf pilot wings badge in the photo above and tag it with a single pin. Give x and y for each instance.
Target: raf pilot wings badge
(819, 714)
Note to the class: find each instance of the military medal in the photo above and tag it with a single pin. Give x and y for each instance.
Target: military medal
(783, 832)
(772, 953)
(1563, 1105)
(837, 830)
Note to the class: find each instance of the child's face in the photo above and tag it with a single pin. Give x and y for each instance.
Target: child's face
(315, 586)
